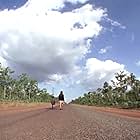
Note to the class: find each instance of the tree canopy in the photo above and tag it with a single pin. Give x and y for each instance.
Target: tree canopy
(22, 88)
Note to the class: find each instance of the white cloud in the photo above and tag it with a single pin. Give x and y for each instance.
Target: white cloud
(104, 50)
(44, 43)
(77, 1)
(55, 77)
(96, 72)
(48, 44)
(115, 23)
(40, 6)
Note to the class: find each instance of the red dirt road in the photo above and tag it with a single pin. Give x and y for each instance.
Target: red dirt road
(74, 122)
(134, 113)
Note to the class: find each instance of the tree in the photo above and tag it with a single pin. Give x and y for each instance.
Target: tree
(5, 79)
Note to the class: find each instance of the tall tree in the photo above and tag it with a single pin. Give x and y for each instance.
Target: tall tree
(5, 79)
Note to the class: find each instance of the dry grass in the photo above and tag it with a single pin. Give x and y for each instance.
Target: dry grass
(16, 104)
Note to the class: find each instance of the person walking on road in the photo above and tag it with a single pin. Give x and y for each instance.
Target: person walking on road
(61, 99)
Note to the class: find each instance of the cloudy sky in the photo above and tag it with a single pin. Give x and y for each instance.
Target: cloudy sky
(70, 45)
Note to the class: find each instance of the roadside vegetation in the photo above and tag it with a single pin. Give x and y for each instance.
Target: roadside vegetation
(123, 92)
(20, 89)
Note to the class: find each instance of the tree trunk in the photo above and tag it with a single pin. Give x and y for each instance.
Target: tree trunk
(4, 92)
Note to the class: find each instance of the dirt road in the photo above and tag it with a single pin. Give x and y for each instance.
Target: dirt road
(71, 123)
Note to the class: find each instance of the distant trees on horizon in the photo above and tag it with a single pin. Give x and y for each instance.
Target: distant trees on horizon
(123, 92)
(23, 88)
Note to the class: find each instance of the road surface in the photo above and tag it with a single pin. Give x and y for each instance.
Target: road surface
(71, 123)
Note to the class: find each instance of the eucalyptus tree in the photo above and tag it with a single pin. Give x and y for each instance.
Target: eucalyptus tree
(32, 88)
(131, 80)
(122, 79)
(136, 89)
(107, 93)
(120, 86)
(5, 79)
(133, 93)
(12, 89)
(87, 98)
(23, 86)
(137, 94)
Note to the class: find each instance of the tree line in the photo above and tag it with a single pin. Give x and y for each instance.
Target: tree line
(123, 91)
(21, 88)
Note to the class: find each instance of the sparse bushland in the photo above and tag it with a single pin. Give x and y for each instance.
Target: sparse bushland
(124, 92)
(22, 89)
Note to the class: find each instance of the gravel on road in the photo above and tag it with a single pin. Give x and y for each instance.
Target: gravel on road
(71, 123)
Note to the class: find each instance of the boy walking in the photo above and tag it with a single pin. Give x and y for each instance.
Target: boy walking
(61, 99)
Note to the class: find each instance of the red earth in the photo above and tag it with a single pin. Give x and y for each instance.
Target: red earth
(40, 122)
(135, 113)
